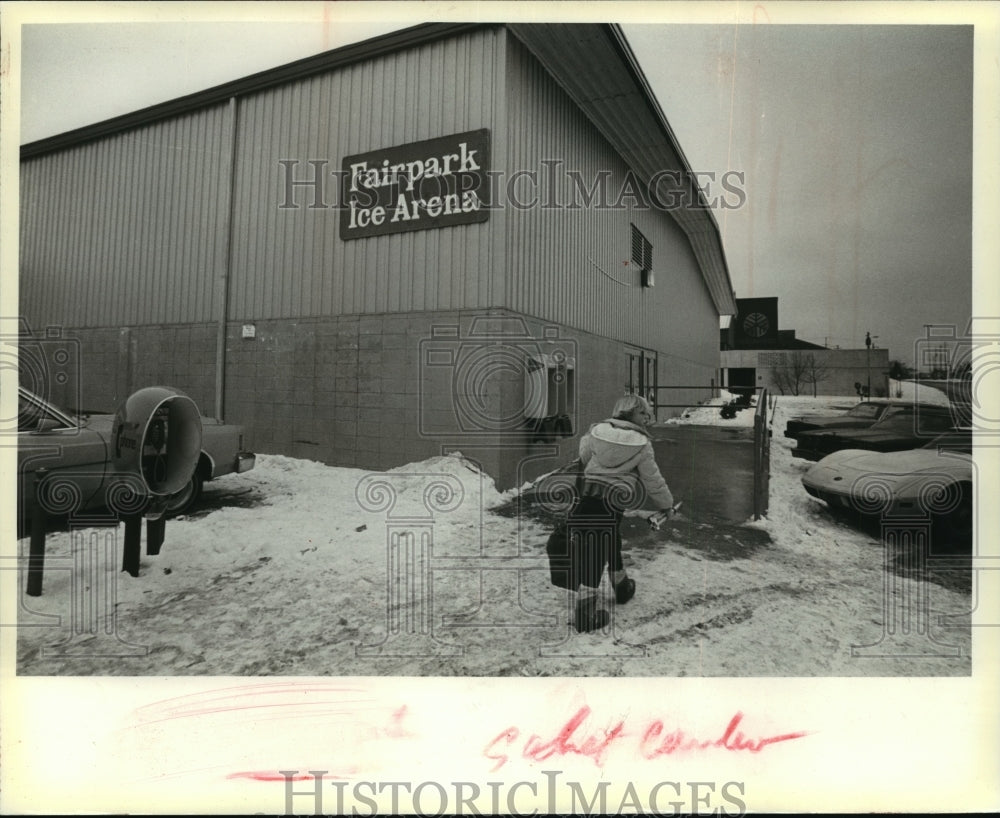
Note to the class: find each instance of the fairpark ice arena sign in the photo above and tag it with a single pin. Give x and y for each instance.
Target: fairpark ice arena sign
(435, 183)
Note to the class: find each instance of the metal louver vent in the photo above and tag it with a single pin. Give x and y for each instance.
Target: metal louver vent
(642, 256)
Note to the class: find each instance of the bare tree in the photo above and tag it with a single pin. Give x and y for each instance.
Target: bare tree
(815, 371)
(899, 371)
(788, 377)
(798, 370)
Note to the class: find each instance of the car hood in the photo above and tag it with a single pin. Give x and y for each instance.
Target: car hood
(102, 424)
(873, 430)
(893, 466)
(823, 421)
(815, 418)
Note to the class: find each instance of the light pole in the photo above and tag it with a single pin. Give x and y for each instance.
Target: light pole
(868, 361)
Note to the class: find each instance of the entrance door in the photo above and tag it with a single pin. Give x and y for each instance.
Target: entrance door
(742, 379)
(642, 374)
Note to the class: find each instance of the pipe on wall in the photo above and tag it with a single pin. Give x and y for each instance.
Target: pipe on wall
(225, 268)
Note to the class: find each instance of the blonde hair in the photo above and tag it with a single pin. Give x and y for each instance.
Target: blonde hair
(627, 406)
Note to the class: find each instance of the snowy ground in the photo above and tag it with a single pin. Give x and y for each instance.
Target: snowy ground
(286, 571)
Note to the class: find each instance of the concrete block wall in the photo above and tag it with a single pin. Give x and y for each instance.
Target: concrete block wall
(112, 363)
(73, 371)
(340, 390)
(181, 356)
(843, 368)
(368, 392)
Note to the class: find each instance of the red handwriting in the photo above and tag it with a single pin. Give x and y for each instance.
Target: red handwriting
(653, 744)
(593, 745)
(397, 729)
(273, 697)
(576, 738)
(566, 742)
(271, 775)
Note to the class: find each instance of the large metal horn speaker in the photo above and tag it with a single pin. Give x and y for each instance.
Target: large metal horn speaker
(157, 436)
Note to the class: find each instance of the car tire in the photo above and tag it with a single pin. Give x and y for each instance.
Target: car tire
(953, 531)
(184, 500)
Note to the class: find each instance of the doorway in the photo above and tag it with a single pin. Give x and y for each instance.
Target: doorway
(643, 374)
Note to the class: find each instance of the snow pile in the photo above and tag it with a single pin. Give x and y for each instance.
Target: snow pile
(709, 413)
(293, 574)
(297, 568)
(913, 391)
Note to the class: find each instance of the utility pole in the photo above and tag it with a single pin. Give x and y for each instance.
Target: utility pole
(868, 361)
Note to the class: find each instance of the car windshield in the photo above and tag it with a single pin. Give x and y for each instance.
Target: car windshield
(865, 410)
(896, 412)
(32, 412)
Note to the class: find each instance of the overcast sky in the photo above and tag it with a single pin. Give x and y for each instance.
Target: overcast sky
(855, 142)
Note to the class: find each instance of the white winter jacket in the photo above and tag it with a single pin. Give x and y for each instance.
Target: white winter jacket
(617, 457)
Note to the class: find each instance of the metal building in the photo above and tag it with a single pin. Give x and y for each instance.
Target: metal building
(470, 237)
(758, 354)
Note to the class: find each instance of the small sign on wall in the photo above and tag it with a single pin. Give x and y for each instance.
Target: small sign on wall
(422, 185)
(249, 331)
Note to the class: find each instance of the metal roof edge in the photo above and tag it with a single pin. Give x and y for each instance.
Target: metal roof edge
(620, 41)
(268, 78)
(720, 288)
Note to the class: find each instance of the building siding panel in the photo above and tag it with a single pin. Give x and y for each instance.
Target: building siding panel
(573, 266)
(127, 231)
(290, 261)
(334, 371)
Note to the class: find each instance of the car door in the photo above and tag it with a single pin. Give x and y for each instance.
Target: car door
(70, 453)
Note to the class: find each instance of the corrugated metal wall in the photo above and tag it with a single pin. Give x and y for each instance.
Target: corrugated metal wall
(567, 265)
(131, 229)
(128, 229)
(290, 261)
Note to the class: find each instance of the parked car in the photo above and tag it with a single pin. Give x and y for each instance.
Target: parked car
(934, 481)
(222, 453)
(860, 416)
(81, 455)
(906, 426)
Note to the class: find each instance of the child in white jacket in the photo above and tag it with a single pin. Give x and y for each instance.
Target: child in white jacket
(619, 472)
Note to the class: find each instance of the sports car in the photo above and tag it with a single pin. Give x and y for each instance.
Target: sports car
(932, 483)
(860, 416)
(906, 426)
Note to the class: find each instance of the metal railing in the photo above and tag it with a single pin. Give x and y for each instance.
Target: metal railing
(761, 435)
(762, 453)
(702, 392)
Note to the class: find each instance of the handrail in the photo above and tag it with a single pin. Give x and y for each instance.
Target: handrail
(761, 456)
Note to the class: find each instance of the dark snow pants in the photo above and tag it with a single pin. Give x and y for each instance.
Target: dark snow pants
(595, 540)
